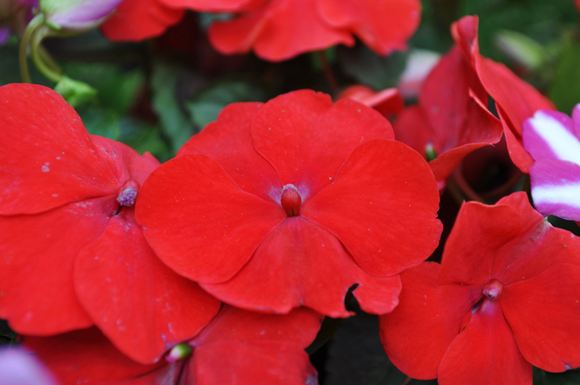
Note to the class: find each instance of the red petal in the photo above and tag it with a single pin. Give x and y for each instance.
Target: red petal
(427, 319)
(480, 129)
(213, 5)
(200, 222)
(228, 141)
(487, 239)
(543, 310)
(383, 25)
(256, 349)
(414, 129)
(43, 144)
(136, 20)
(388, 101)
(87, 357)
(141, 305)
(300, 263)
(517, 100)
(383, 190)
(37, 255)
(129, 165)
(307, 138)
(278, 30)
(485, 353)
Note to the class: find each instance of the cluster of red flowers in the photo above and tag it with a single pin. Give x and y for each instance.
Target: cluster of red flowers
(276, 29)
(216, 267)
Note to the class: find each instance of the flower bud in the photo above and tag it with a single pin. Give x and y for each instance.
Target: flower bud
(77, 15)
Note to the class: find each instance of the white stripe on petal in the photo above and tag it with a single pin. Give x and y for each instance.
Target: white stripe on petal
(563, 143)
(568, 194)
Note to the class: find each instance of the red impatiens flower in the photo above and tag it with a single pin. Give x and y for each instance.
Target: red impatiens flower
(451, 119)
(515, 100)
(291, 203)
(71, 253)
(278, 29)
(237, 348)
(505, 297)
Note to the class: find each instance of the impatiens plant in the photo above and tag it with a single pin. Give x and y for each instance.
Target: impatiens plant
(278, 192)
(553, 140)
(506, 296)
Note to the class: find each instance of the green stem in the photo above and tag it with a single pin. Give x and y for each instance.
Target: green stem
(34, 24)
(45, 65)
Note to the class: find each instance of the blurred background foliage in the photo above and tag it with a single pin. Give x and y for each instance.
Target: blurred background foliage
(155, 95)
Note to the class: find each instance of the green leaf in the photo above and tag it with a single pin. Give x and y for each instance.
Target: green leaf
(101, 122)
(175, 123)
(521, 49)
(144, 137)
(565, 88)
(356, 356)
(75, 92)
(117, 89)
(206, 106)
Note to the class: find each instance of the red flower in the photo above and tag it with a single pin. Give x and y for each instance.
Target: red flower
(136, 20)
(71, 253)
(291, 203)
(451, 119)
(515, 100)
(281, 29)
(278, 29)
(505, 297)
(388, 101)
(237, 348)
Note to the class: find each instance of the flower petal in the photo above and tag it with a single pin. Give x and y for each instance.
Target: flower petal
(213, 5)
(383, 25)
(47, 158)
(256, 349)
(550, 135)
(278, 30)
(556, 188)
(384, 189)
(87, 357)
(427, 320)
(414, 129)
(228, 141)
(300, 263)
(142, 306)
(37, 255)
(517, 99)
(480, 129)
(307, 138)
(200, 222)
(136, 20)
(486, 239)
(485, 353)
(543, 313)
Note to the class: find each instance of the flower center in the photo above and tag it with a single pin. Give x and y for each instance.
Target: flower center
(128, 194)
(493, 290)
(291, 200)
(179, 352)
